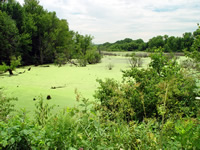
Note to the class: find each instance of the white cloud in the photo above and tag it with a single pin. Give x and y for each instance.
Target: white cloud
(111, 20)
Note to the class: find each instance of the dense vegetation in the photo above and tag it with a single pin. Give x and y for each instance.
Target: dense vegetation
(39, 36)
(142, 112)
(168, 43)
(152, 108)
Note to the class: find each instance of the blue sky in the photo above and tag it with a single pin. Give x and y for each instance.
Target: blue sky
(112, 20)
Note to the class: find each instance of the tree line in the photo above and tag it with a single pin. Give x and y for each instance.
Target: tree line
(168, 43)
(38, 36)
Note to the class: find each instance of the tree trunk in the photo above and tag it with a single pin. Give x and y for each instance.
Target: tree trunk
(10, 71)
(41, 56)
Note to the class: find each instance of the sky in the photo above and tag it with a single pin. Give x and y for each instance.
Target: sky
(112, 20)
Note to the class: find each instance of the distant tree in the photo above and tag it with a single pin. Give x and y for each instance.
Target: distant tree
(188, 40)
(156, 42)
(194, 54)
(124, 45)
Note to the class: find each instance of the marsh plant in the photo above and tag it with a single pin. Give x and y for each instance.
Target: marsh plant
(14, 63)
(135, 61)
(6, 106)
(43, 111)
(110, 66)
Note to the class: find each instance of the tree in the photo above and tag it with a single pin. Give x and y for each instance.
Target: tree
(156, 42)
(163, 90)
(86, 43)
(23, 23)
(188, 40)
(14, 62)
(195, 50)
(63, 43)
(9, 38)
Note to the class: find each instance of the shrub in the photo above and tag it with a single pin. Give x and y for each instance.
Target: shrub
(183, 133)
(93, 57)
(60, 59)
(194, 54)
(82, 127)
(6, 106)
(113, 105)
(135, 61)
(18, 132)
(163, 90)
(42, 112)
(188, 63)
(14, 62)
(81, 60)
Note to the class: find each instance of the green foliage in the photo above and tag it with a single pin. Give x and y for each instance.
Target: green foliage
(17, 133)
(60, 59)
(8, 37)
(93, 57)
(82, 62)
(124, 45)
(14, 62)
(159, 61)
(135, 61)
(114, 103)
(3, 67)
(39, 36)
(82, 127)
(182, 134)
(194, 55)
(42, 112)
(169, 44)
(6, 107)
(162, 90)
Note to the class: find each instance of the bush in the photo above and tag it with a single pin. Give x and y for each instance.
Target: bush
(113, 103)
(188, 64)
(42, 112)
(135, 61)
(92, 57)
(14, 62)
(60, 59)
(82, 62)
(162, 91)
(6, 106)
(183, 133)
(18, 133)
(83, 128)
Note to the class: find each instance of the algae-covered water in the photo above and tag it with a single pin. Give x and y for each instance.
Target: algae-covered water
(60, 82)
